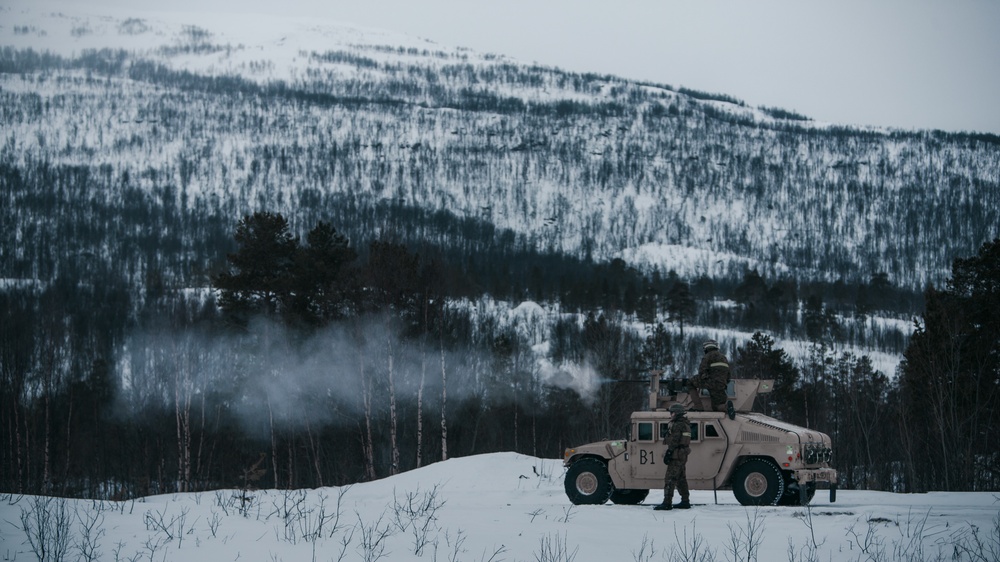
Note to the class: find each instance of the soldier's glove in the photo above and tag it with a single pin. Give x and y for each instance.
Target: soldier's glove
(668, 456)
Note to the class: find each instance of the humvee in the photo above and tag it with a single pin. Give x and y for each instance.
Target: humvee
(763, 460)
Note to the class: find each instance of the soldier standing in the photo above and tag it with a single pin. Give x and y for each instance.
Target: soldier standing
(678, 442)
(713, 375)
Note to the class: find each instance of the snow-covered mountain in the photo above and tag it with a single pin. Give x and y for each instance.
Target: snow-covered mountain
(221, 116)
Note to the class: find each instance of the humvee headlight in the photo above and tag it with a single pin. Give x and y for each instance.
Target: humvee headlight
(816, 453)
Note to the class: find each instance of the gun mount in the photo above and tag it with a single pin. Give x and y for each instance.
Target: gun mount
(741, 392)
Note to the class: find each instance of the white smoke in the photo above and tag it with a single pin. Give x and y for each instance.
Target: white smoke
(269, 374)
(580, 378)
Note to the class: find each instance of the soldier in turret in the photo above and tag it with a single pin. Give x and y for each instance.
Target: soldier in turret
(678, 441)
(713, 375)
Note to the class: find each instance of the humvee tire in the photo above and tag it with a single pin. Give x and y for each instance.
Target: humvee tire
(792, 495)
(588, 482)
(628, 496)
(758, 482)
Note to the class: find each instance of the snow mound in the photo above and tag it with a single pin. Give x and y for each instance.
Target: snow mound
(501, 506)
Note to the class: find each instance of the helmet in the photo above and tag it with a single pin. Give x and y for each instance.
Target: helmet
(710, 344)
(677, 409)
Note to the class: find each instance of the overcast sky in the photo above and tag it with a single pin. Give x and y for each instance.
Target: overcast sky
(915, 64)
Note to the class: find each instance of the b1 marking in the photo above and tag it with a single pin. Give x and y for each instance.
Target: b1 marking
(646, 457)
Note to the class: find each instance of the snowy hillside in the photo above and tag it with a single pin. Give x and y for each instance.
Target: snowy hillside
(243, 111)
(497, 507)
(261, 47)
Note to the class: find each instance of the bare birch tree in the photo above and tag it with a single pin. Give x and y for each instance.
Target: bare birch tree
(182, 413)
(444, 406)
(367, 443)
(420, 407)
(393, 437)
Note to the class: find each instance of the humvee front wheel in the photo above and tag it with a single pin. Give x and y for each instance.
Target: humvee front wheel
(793, 495)
(758, 482)
(588, 482)
(628, 496)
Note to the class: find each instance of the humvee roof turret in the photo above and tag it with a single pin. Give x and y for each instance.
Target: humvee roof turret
(763, 460)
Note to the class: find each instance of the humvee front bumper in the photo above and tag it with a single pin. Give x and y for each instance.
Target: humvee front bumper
(805, 475)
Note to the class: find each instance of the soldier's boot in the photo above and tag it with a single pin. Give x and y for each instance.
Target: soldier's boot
(730, 411)
(719, 407)
(683, 504)
(667, 499)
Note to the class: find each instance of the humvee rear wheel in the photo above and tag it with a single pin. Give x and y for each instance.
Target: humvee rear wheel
(628, 496)
(588, 482)
(758, 482)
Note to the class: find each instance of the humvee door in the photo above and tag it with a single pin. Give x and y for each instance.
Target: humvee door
(708, 449)
(647, 448)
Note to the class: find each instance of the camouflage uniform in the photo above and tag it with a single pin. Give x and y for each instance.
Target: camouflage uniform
(678, 441)
(713, 375)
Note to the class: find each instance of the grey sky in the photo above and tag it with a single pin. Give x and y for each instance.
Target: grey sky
(927, 64)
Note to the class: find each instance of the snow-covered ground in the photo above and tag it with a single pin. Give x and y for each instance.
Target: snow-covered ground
(496, 507)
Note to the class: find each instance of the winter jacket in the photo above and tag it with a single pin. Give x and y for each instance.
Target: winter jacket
(713, 371)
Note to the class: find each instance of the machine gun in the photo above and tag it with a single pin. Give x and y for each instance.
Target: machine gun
(663, 391)
(674, 390)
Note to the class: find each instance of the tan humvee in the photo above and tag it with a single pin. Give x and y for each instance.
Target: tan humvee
(763, 460)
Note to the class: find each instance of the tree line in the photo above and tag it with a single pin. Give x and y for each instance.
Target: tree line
(314, 362)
